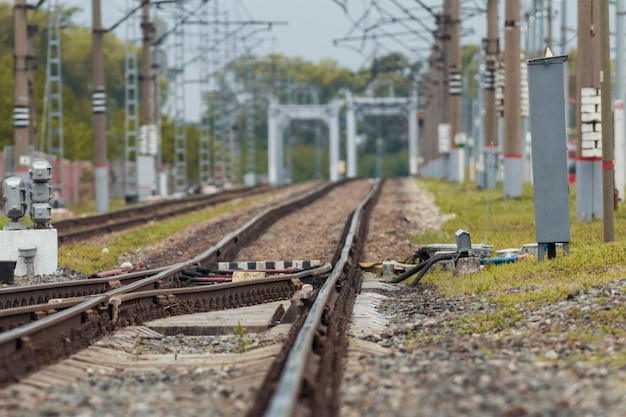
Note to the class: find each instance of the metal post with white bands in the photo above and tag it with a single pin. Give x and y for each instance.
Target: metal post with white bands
(99, 101)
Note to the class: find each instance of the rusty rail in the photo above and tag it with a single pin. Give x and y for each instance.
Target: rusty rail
(58, 335)
(309, 379)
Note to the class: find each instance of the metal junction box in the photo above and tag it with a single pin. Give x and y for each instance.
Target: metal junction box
(546, 79)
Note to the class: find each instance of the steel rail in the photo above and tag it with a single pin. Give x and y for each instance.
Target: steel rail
(284, 399)
(36, 294)
(38, 312)
(12, 297)
(33, 336)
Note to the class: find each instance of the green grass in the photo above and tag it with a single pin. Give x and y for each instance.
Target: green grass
(89, 207)
(528, 284)
(89, 257)
(510, 224)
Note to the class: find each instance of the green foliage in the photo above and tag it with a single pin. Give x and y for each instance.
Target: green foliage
(76, 73)
(272, 74)
(137, 353)
(241, 339)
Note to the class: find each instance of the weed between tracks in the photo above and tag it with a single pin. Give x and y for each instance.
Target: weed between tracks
(241, 339)
(525, 283)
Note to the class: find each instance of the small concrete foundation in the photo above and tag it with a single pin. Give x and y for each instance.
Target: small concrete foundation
(45, 241)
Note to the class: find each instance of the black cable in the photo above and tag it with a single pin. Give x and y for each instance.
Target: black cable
(423, 267)
(430, 262)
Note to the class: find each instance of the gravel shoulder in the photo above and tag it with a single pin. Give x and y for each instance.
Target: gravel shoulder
(438, 356)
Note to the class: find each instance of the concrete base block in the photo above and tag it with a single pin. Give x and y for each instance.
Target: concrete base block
(44, 240)
(469, 265)
(513, 170)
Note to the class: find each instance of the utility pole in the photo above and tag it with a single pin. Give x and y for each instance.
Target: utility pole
(442, 77)
(539, 8)
(441, 92)
(608, 186)
(455, 91)
(513, 166)
(620, 91)
(620, 95)
(32, 30)
(21, 117)
(589, 124)
(549, 15)
(564, 27)
(99, 113)
(492, 51)
(148, 132)
(146, 65)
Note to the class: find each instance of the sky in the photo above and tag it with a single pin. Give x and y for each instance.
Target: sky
(311, 27)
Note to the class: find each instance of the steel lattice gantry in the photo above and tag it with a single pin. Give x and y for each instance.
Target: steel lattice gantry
(180, 134)
(131, 121)
(279, 116)
(381, 106)
(204, 146)
(54, 89)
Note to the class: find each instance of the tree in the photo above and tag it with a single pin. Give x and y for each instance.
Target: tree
(76, 77)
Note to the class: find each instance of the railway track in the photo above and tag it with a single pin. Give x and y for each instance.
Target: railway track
(24, 304)
(83, 227)
(405, 354)
(105, 304)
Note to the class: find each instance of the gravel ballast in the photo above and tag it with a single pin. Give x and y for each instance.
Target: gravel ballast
(425, 355)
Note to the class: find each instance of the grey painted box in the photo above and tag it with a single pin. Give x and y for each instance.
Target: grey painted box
(546, 83)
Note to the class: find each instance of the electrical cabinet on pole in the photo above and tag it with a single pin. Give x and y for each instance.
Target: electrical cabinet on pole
(589, 120)
(21, 105)
(513, 164)
(99, 114)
